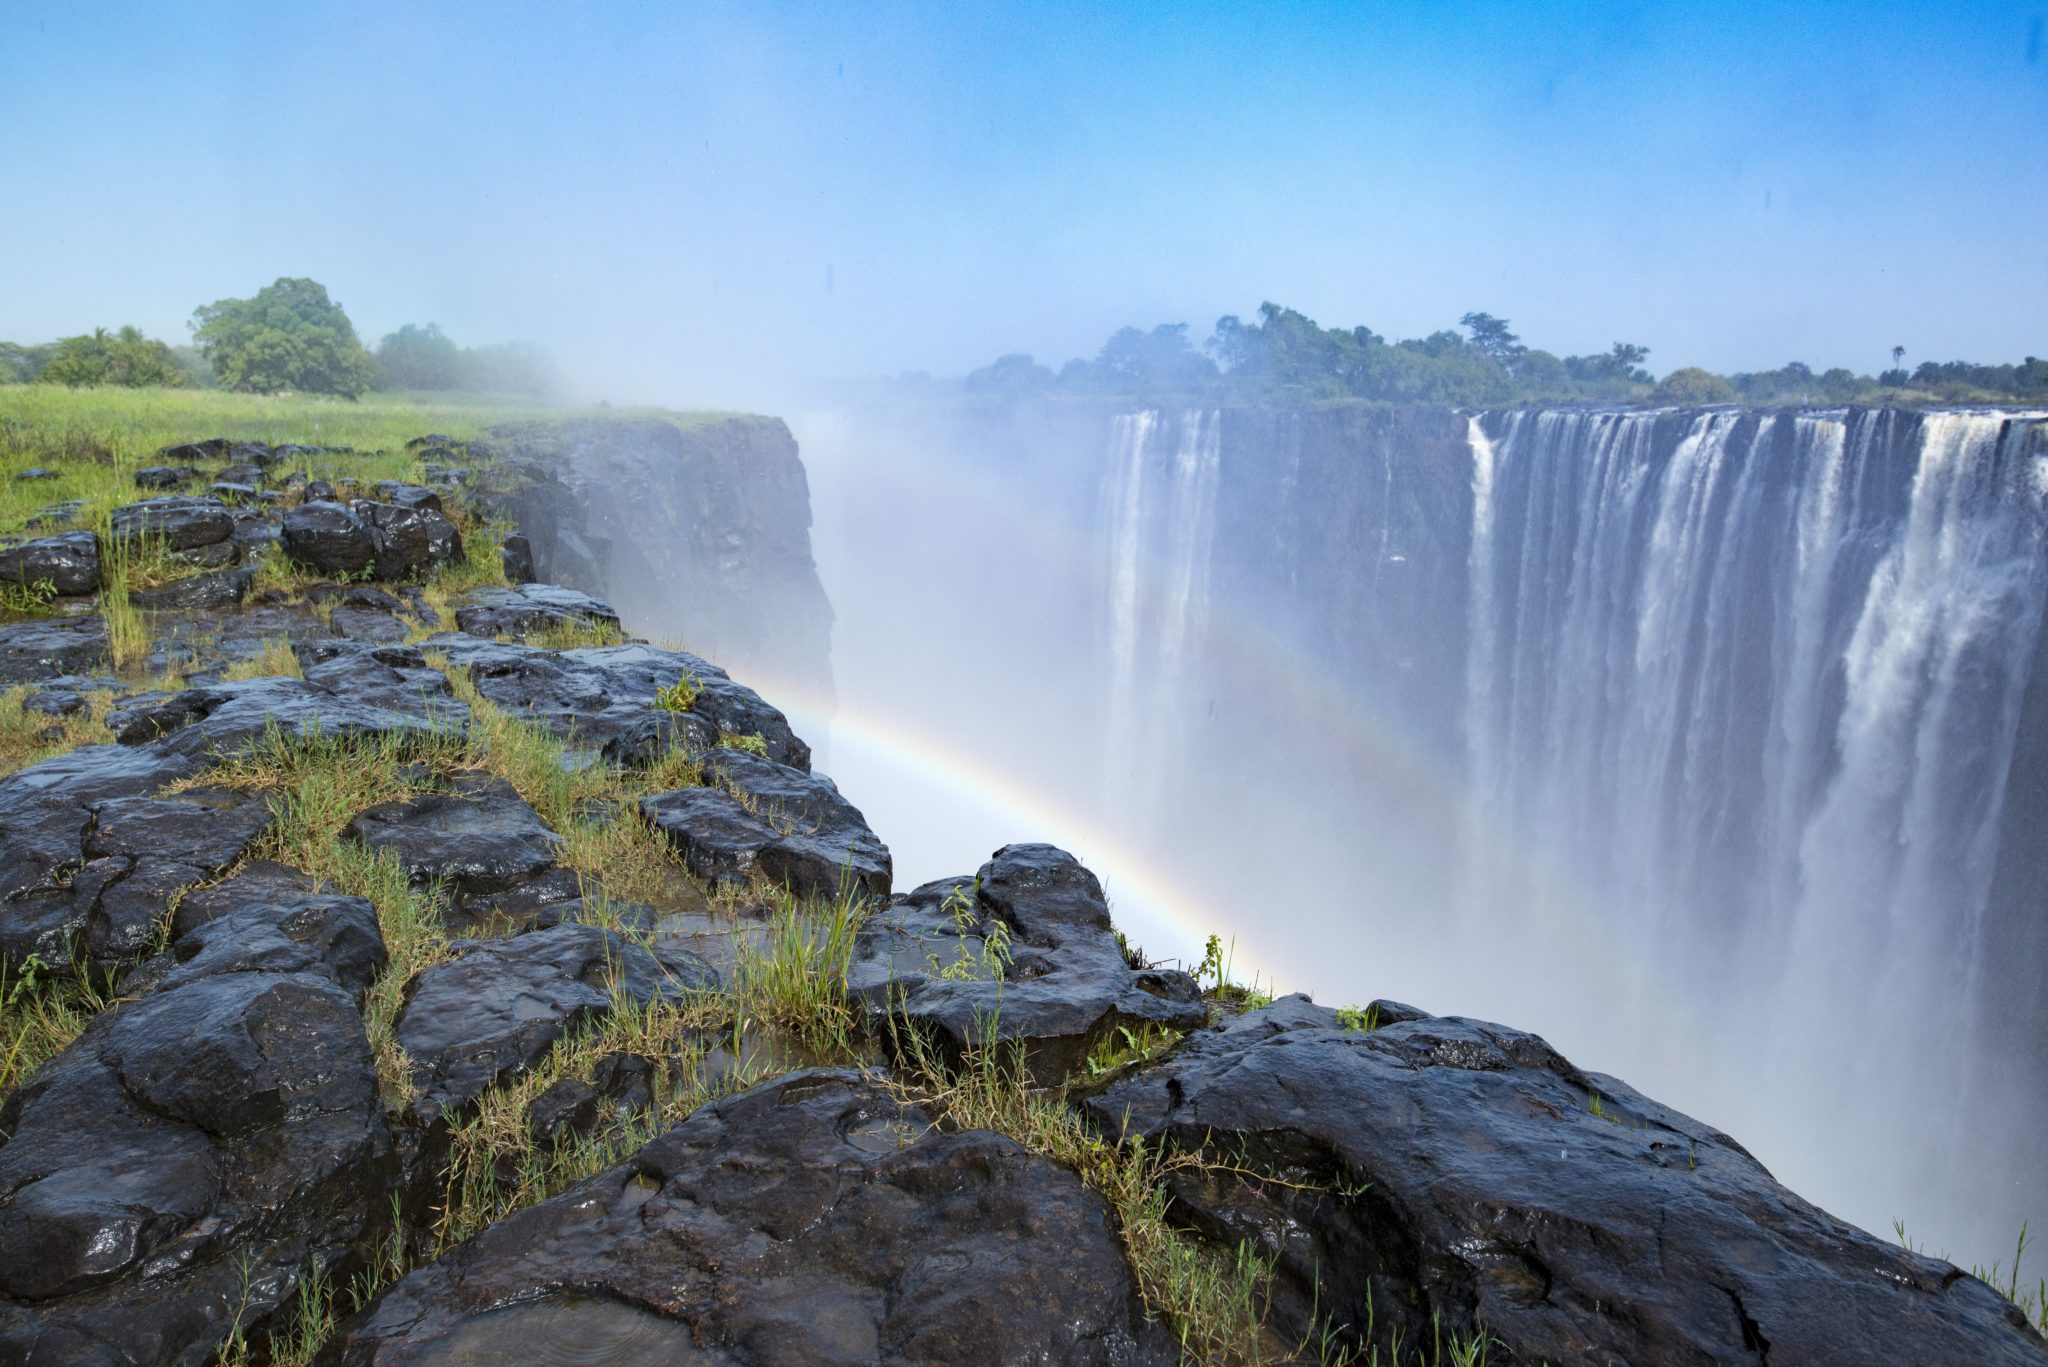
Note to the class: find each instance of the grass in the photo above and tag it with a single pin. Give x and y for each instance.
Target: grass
(30, 737)
(274, 661)
(40, 1016)
(577, 634)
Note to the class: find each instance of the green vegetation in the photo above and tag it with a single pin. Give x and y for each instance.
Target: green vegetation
(1286, 357)
(681, 695)
(118, 358)
(288, 336)
(425, 358)
(29, 737)
(40, 1016)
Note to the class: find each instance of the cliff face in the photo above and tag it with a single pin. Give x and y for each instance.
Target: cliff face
(701, 532)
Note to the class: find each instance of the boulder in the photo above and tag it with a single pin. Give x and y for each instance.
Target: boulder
(1451, 1171)
(229, 718)
(45, 649)
(477, 837)
(164, 476)
(185, 524)
(334, 937)
(516, 558)
(197, 593)
(327, 538)
(69, 563)
(413, 539)
(530, 608)
(498, 1007)
(814, 1219)
(259, 884)
(387, 675)
(184, 1162)
(790, 826)
(604, 698)
(1066, 988)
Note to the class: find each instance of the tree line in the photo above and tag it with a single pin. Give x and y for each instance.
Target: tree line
(289, 336)
(1285, 356)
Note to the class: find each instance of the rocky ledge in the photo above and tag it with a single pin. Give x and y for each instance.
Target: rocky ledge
(434, 973)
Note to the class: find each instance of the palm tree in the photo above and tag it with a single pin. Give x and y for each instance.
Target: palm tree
(1898, 355)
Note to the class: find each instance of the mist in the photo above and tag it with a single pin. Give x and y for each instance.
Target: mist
(1065, 622)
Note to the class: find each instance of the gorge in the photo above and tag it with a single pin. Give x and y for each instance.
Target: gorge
(1712, 742)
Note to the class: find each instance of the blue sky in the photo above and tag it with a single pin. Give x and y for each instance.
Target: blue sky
(697, 202)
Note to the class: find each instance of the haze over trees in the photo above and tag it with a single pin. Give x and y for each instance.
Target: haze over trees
(289, 337)
(1285, 356)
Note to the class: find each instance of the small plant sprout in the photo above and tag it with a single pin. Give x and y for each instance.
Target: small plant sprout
(681, 696)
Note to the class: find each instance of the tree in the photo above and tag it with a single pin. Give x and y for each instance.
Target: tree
(121, 358)
(420, 358)
(289, 336)
(1011, 375)
(1898, 355)
(1692, 386)
(1491, 336)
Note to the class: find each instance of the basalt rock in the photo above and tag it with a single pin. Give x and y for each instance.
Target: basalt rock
(327, 538)
(500, 1005)
(164, 476)
(1067, 985)
(604, 698)
(68, 563)
(530, 608)
(35, 650)
(197, 593)
(228, 718)
(181, 1165)
(335, 937)
(412, 538)
(478, 837)
(194, 527)
(790, 826)
(813, 1219)
(81, 880)
(1446, 1170)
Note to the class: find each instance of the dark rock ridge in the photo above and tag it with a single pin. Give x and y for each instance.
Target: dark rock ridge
(1447, 1168)
(784, 823)
(813, 1219)
(1066, 988)
(701, 530)
(184, 1161)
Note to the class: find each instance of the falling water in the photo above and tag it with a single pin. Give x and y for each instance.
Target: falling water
(1754, 686)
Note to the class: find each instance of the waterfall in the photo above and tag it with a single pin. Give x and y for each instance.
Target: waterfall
(1752, 682)
(1159, 509)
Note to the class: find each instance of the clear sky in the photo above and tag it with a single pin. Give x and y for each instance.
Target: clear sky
(690, 202)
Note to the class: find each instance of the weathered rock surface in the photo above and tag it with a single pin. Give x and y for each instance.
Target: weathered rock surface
(813, 1220)
(1447, 1167)
(197, 593)
(225, 718)
(498, 1007)
(74, 891)
(790, 826)
(336, 937)
(186, 1159)
(397, 540)
(68, 562)
(530, 608)
(1067, 987)
(478, 837)
(164, 476)
(603, 698)
(193, 526)
(47, 649)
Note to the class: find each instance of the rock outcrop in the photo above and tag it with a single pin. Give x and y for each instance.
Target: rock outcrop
(813, 1219)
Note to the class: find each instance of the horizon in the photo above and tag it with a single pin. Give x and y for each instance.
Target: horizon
(710, 208)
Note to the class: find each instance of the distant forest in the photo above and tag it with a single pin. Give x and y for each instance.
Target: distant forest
(1285, 356)
(288, 337)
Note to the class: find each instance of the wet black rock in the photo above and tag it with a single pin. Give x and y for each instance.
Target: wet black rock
(45, 649)
(478, 837)
(544, 900)
(198, 592)
(34, 474)
(335, 937)
(516, 558)
(790, 826)
(257, 885)
(413, 538)
(327, 538)
(164, 476)
(387, 540)
(384, 675)
(530, 608)
(184, 524)
(229, 718)
(1450, 1169)
(69, 563)
(232, 491)
(500, 1005)
(188, 1157)
(604, 698)
(576, 1108)
(196, 452)
(1066, 987)
(67, 904)
(813, 1219)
